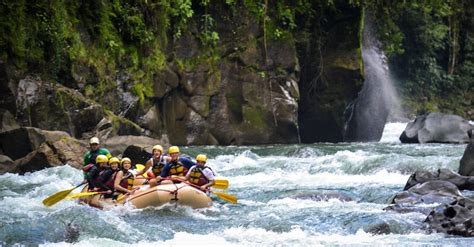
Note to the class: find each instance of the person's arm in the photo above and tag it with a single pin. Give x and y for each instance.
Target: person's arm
(91, 177)
(187, 162)
(188, 175)
(145, 169)
(86, 159)
(210, 176)
(166, 170)
(105, 152)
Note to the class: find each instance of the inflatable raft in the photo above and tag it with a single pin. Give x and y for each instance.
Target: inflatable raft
(180, 194)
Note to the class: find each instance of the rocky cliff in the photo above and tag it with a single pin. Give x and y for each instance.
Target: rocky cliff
(189, 74)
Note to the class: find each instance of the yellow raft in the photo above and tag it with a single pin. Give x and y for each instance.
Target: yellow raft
(180, 194)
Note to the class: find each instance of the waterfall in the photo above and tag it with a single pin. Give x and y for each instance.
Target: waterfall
(378, 101)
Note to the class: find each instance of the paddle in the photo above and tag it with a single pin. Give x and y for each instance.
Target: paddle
(221, 184)
(223, 196)
(82, 194)
(58, 196)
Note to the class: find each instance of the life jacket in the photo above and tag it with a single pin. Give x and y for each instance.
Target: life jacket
(177, 169)
(108, 181)
(88, 167)
(127, 181)
(197, 176)
(157, 166)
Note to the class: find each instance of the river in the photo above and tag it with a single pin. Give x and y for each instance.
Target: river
(279, 189)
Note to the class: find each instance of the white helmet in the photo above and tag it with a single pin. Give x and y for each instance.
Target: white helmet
(94, 140)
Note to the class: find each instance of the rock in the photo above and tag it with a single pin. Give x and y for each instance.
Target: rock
(18, 143)
(33, 149)
(50, 105)
(118, 144)
(7, 121)
(454, 218)
(435, 191)
(331, 75)
(137, 153)
(152, 120)
(466, 166)
(437, 128)
(112, 125)
(419, 177)
(6, 164)
(378, 229)
(37, 160)
(164, 82)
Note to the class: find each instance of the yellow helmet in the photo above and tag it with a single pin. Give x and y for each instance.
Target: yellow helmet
(173, 149)
(126, 159)
(201, 157)
(101, 159)
(159, 147)
(114, 160)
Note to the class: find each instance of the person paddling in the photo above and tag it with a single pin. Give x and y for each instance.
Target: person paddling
(90, 156)
(123, 182)
(156, 163)
(200, 174)
(105, 181)
(93, 174)
(178, 166)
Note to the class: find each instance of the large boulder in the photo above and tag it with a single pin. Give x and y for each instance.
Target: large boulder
(34, 149)
(118, 144)
(435, 191)
(139, 154)
(7, 121)
(6, 164)
(455, 218)
(437, 128)
(420, 177)
(466, 166)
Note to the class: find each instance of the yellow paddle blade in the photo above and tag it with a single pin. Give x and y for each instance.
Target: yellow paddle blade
(121, 197)
(58, 196)
(50, 201)
(226, 197)
(140, 167)
(82, 194)
(221, 184)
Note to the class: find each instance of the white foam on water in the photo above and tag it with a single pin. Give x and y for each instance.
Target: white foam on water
(392, 131)
(302, 179)
(240, 236)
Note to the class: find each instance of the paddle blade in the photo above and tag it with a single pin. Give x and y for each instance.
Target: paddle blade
(82, 194)
(221, 184)
(121, 197)
(226, 197)
(50, 201)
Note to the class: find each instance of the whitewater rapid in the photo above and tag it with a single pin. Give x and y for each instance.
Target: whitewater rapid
(279, 189)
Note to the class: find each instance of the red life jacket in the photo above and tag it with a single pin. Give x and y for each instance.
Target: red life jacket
(127, 181)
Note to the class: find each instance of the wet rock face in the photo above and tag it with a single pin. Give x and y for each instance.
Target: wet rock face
(453, 212)
(138, 154)
(437, 128)
(435, 191)
(32, 149)
(331, 76)
(466, 166)
(420, 177)
(455, 218)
